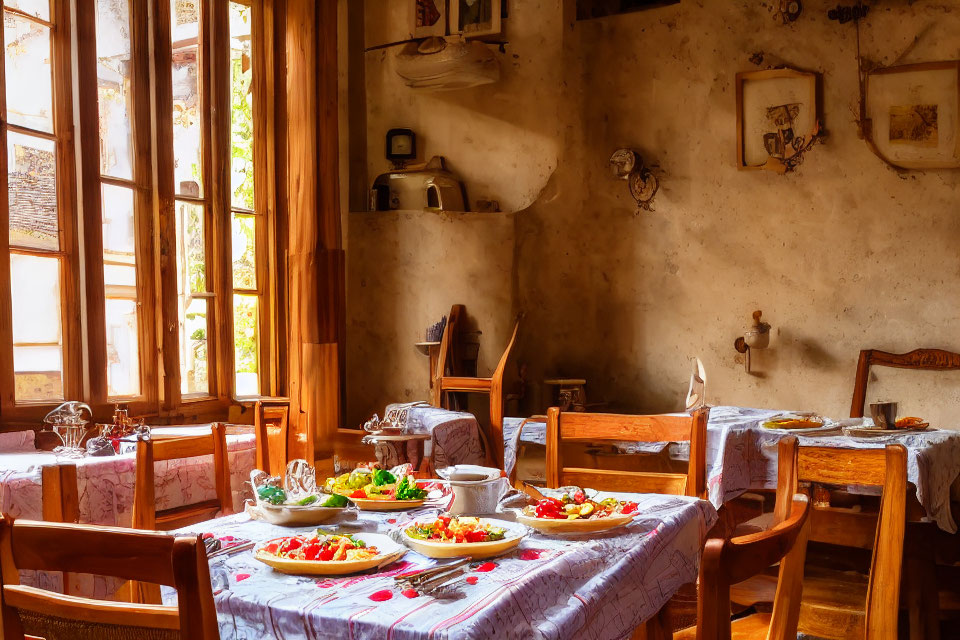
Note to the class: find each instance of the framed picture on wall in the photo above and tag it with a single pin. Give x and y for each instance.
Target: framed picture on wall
(475, 17)
(912, 114)
(778, 118)
(429, 18)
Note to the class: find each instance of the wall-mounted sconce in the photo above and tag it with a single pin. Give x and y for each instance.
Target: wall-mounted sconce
(627, 164)
(788, 11)
(756, 336)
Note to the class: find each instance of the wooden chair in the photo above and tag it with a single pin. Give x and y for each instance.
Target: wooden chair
(492, 386)
(726, 562)
(925, 359)
(448, 354)
(133, 555)
(271, 419)
(145, 514)
(593, 427)
(60, 502)
(845, 604)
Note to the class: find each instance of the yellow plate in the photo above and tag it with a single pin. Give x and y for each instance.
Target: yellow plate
(552, 526)
(389, 550)
(385, 505)
(440, 550)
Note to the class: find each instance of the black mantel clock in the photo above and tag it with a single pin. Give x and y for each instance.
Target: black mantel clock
(401, 146)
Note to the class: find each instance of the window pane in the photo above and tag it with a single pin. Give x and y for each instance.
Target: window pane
(32, 167)
(241, 107)
(246, 341)
(29, 76)
(39, 8)
(38, 355)
(193, 347)
(118, 224)
(123, 349)
(187, 114)
(244, 248)
(191, 256)
(114, 88)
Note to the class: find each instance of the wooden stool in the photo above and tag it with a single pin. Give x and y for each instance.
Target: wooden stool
(569, 394)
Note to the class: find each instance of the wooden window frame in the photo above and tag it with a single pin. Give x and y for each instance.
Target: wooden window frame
(81, 220)
(215, 98)
(61, 79)
(142, 187)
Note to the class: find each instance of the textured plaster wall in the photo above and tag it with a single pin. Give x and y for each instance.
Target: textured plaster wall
(843, 254)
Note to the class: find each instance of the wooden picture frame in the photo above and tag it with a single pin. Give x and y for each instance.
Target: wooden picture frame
(912, 115)
(778, 117)
(474, 18)
(429, 18)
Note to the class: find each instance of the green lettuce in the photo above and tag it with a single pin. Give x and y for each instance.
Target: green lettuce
(335, 501)
(407, 489)
(382, 477)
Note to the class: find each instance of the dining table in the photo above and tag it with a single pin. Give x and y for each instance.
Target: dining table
(742, 454)
(587, 586)
(453, 436)
(105, 486)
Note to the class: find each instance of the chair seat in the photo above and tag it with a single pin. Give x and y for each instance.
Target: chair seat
(833, 604)
(753, 627)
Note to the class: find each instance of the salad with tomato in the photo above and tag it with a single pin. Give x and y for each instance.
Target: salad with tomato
(576, 506)
(320, 547)
(375, 484)
(456, 529)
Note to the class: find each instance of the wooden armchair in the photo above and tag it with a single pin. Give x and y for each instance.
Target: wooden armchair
(133, 555)
(593, 427)
(271, 420)
(145, 514)
(726, 562)
(925, 359)
(845, 604)
(492, 386)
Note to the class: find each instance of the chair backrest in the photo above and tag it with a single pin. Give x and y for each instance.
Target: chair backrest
(726, 562)
(271, 421)
(497, 409)
(594, 427)
(884, 533)
(447, 358)
(145, 514)
(60, 499)
(60, 502)
(925, 359)
(179, 562)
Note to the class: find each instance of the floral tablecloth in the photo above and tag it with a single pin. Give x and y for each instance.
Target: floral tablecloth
(742, 455)
(455, 435)
(585, 587)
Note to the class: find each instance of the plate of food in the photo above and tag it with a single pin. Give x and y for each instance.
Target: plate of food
(378, 489)
(904, 425)
(574, 512)
(454, 536)
(323, 553)
(293, 501)
(798, 422)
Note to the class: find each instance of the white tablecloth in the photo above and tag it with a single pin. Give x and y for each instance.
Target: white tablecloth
(586, 587)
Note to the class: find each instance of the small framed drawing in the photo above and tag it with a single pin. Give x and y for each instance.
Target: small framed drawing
(475, 17)
(912, 115)
(429, 18)
(778, 118)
